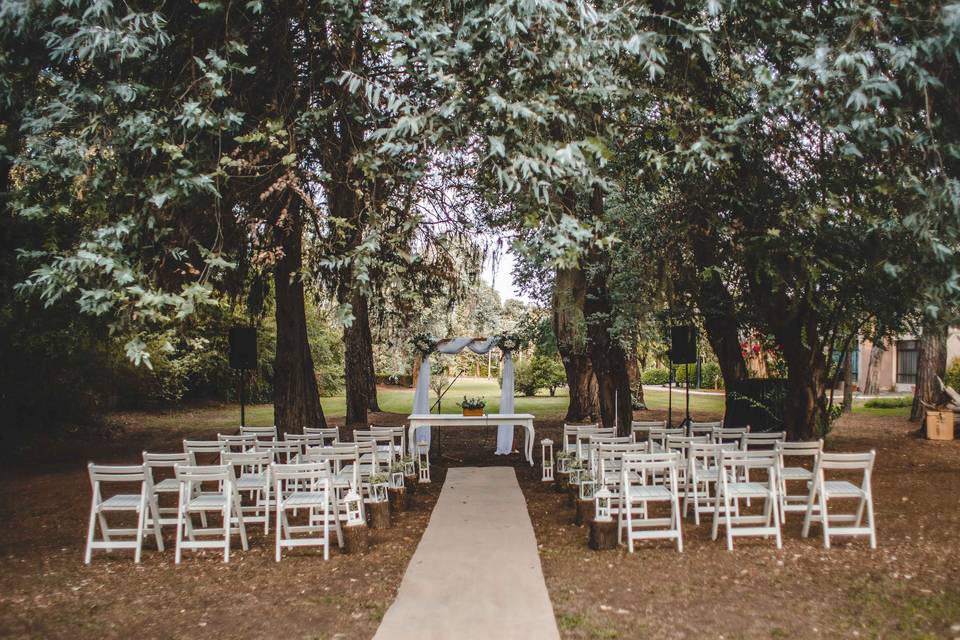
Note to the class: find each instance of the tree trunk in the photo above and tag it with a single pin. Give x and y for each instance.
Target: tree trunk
(847, 383)
(932, 363)
(807, 374)
(569, 292)
(606, 349)
(296, 401)
(871, 384)
(358, 363)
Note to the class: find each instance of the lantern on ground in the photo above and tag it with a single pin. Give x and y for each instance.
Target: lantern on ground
(396, 480)
(409, 467)
(563, 462)
(354, 506)
(587, 486)
(546, 459)
(423, 461)
(378, 488)
(603, 503)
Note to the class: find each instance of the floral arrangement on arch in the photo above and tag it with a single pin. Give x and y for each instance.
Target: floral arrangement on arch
(510, 341)
(424, 343)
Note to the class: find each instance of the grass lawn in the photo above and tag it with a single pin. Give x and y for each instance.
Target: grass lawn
(400, 400)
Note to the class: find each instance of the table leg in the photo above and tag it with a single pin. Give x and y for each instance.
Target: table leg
(529, 447)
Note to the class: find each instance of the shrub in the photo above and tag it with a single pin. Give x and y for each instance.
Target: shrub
(539, 372)
(655, 376)
(952, 377)
(889, 403)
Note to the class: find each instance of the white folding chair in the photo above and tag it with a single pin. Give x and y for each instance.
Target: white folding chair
(330, 435)
(825, 490)
(703, 428)
(252, 471)
(399, 435)
(303, 440)
(761, 440)
(142, 504)
(583, 439)
(798, 476)
(203, 451)
(635, 489)
(640, 429)
(305, 486)
(165, 485)
(282, 452)
(194, 499)
(343, 460)
(723, 435)
(570, 434)
(733, 466)
(703, 474)
(681, 445)
(236, 443)
(657, 438)
(260, 433)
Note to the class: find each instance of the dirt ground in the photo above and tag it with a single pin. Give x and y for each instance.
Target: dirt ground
(908, 588)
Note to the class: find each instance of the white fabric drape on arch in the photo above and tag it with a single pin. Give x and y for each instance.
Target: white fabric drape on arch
(421, 397)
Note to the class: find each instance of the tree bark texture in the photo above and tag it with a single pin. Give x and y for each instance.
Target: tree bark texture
(932, 363)
(871, 385)
(569, 327)
(847, 383)
(296, 401)
(807, 373)
(360, 381)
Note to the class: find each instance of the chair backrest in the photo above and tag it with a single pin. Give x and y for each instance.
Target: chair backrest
(659, 436)
(302, 476)
(762, 440)
(681, 444)
(609, 459)
(338, 456)
(260, 433)
(848, 461)
(734, 459)
(399, 436)
(193, 476)
(595, 441)
(707, 454)
(304, 440)
(236, 443)
(249, 462)
(282, 452)
(583, 438)
(798, 449)
(638, 468)
(641, 428)
(330, 435)
(729, 434)
(153, 461)
(570, 435)
(703, 428)
(203, 450)
(100, 473)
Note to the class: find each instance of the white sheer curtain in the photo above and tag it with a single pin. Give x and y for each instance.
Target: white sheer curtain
(421, 397)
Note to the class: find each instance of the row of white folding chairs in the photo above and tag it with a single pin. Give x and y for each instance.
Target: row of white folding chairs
(300, 486)
(636, 490)
(329, 434)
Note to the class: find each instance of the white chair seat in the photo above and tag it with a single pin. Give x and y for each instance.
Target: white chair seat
(305, 499)
(842, 489)
(650, 492)
(250, 481)
(796, 473)
(748, 489)
(212, 500)
(167, 485)
(122, 501)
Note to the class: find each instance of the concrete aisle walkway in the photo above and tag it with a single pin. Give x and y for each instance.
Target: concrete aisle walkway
(476, 572)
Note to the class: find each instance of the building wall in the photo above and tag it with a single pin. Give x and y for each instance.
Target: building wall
(888, 363)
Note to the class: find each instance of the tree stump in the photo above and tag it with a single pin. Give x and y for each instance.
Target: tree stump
(378, 515)
(603, 535)
(356, 538)
(410, 482)
(398, 499)
(573, 495)
(561, 482)
(585, 510)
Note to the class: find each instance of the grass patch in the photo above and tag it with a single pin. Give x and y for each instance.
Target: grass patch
(889, 403)
(888, 609)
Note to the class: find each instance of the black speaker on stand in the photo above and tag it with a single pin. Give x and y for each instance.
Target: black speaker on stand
(683, 350)
(243, 356)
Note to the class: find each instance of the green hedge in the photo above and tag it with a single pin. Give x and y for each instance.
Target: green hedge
(889, 403)
(709, 375)
(655, 376)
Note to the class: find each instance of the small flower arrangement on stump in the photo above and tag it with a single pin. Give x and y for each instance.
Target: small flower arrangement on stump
(472, 406)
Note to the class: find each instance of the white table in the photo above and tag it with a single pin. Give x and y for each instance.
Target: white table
(443, 420)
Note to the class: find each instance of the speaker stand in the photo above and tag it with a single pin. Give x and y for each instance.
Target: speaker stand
(243, 398)
(669, 393)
